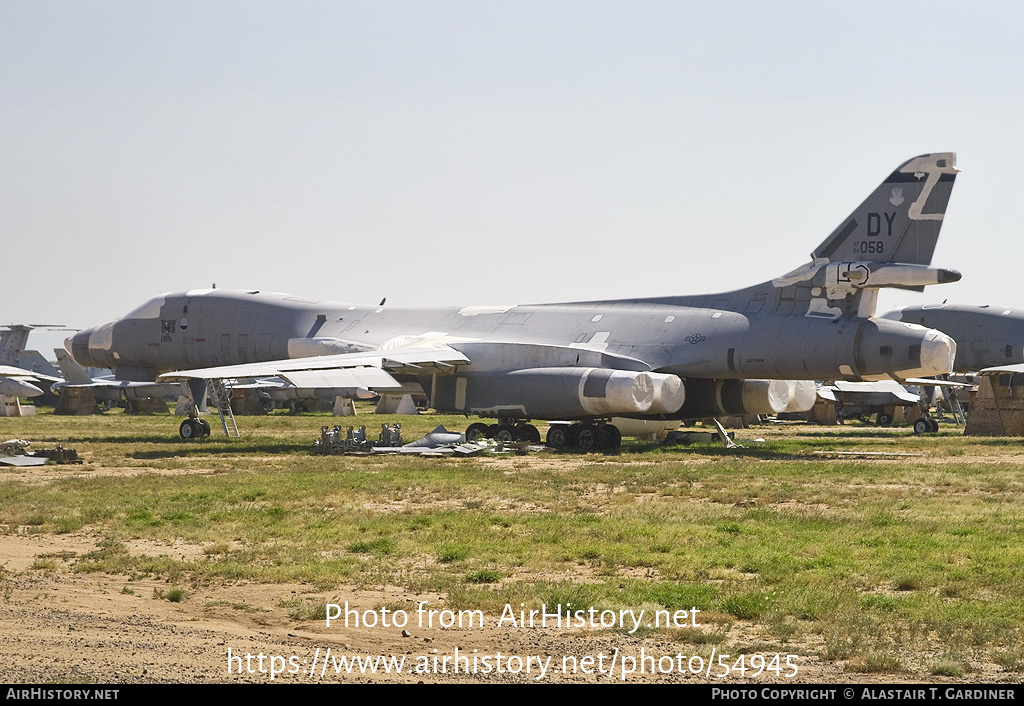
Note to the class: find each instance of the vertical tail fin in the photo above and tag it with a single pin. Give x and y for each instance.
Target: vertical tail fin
(12, 342)
(73, 372)
(900, 221)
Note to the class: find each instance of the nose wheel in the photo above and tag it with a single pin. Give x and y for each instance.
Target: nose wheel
(194, 429)
(926, 425)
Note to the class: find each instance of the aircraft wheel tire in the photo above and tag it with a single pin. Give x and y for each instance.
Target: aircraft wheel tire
(610, 437)
(587, 438)
(475, 431)
(934, 425)
(189, 429)
(528, 433)
(921, 426)
(558, 436)
(504, 432)
(204, 427)
(574, 434)
(883, 419)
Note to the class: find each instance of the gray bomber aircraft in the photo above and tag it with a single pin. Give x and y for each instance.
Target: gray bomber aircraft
(675, 357)
(990, 343)
(986, 336)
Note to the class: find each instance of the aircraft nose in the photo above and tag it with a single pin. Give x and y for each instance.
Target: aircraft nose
(84, 348)
(78, 345)
(937, 353)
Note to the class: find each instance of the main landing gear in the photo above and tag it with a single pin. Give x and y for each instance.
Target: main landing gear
(586, 437)
(503, 432)
(194, 428)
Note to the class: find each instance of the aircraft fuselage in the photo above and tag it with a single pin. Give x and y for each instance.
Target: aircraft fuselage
(219, 327)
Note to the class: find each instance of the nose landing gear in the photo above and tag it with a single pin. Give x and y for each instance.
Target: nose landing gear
(194, 428)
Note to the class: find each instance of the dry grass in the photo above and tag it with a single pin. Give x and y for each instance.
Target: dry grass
(887, 564)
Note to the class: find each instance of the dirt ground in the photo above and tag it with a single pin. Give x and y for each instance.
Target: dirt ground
(61, 626)
(58, 626)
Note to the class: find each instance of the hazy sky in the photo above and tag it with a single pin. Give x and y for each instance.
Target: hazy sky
(486, 152)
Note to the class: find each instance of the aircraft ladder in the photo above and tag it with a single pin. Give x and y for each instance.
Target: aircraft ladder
(954, 406)
(222, 398)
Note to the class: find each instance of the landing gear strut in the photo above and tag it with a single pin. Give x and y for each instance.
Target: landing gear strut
(194, 427)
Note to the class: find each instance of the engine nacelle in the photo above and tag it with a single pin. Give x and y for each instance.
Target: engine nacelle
(718, 398)
(802, 395)
(561, 393)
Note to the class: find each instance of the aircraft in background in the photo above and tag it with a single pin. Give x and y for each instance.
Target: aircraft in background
(13, 339)
(675, 357)
(990, 343)
(986, 336)
(18, 382)
(857, 399)
(108, 392)
(14, 384)
(34, 362)
(16, 378)
(277, 393)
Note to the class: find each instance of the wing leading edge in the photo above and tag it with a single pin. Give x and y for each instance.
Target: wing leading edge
(368, 370)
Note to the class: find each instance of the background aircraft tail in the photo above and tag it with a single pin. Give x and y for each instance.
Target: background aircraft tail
(900, 221)
(13, 339)
(73, 372)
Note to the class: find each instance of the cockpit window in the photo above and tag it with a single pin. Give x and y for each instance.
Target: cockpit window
(149, 310)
